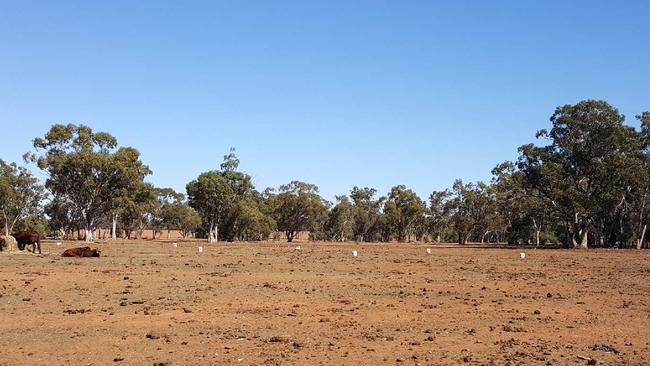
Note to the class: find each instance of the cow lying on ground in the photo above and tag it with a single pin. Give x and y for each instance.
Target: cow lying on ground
(81, 252)
(25, 238)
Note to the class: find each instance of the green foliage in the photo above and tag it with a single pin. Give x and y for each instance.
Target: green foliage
(20, 196)
(590, 171)
(228, 204)
(298, 207)
(588, 184)
(178, 215)
(404, 210)
(85, 172)
(340, 222)
(367, 215)
(135, 209)
(211, 196)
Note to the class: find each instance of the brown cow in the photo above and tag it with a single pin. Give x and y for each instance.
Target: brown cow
(81, 252)
(25, 238)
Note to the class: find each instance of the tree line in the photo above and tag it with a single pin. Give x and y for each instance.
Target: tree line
(584, 184)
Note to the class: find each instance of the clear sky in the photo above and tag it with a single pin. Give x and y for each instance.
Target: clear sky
(336, 93)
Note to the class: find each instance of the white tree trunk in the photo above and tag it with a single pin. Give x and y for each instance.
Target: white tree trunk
(213, 235)
(88, 234)
(639, 243)
(114, 228)
(584, 239)
(537, 232)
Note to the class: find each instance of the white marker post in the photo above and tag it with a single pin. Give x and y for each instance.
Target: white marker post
(428, 250)
(174, 245)
(354, 253)
(522, 255)
(58, 243)
(200, 249)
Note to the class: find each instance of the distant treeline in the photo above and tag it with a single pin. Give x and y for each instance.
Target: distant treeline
(586, 184)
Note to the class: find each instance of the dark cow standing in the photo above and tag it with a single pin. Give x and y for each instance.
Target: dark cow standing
(25, 238)
(81, 252)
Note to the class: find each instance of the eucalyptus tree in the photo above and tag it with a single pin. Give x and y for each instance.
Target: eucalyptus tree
(20, 195)
(178, 215)
(340, 221)
(133, 209)
(588, 169)
(439, 214)
(210, 195)
(298, 207)
(228, 203)
(162, 199)
(366, 213)
(639, 208)
(188, 220)
(251, 221)
(86, 170)
(520, 205)
(469, 209)
(403, 209)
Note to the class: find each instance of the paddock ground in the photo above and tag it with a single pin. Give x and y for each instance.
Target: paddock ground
(148, 303)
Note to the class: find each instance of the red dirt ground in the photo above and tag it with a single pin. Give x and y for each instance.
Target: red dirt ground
(147, 303)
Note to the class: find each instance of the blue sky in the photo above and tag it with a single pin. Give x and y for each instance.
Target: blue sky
(336, 93)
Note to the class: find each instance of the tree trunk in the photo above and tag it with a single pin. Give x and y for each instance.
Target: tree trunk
(88, 233)
(537, 232)
(114, 228)
(213, 235)
(584, 239)
(639, 242)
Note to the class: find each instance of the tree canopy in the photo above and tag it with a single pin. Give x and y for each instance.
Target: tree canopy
(584, 183)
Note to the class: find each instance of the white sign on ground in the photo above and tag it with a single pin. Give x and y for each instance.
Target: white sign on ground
(522, 255)
(200, 249)
(429, 250)
(354, 253)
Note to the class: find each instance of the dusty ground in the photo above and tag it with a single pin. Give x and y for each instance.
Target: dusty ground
(268, 304)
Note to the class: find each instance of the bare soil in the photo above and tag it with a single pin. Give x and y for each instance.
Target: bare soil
(147, 303)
